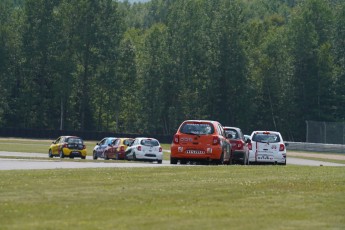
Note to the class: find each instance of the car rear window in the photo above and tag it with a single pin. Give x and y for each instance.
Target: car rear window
(149, 142)
(271, 138)
(197, 128)
(233, 132)
(72, 140)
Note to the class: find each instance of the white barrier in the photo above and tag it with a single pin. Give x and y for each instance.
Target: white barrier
(316, 147)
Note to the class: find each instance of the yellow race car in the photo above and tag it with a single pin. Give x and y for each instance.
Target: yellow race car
(68, 146)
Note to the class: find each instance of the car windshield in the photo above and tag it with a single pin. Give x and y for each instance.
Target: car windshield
(197, 128)
(270, 138)
(72, 140)
(149, 142)
(233, 133)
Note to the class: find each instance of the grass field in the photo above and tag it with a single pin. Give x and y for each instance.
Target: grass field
(199, 197)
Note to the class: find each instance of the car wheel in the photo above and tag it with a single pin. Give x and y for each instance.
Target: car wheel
(134, 157)
(50, 154)
(183, 162)
(82, 157)
(61, 154)
(221, 160)
(159, 161)
(173, 161)
(106, 156)
(244, 162)
(231, 161)
(94, 155)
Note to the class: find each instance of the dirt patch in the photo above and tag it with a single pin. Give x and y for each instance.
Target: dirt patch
(317, 155)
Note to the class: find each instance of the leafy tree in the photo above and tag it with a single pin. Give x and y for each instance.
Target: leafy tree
(310, 31)
(95, 30)
(128, 121)
(38, 48)
(339, 49)
(230, 92)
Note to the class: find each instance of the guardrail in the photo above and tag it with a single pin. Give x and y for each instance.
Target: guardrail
(316, 147)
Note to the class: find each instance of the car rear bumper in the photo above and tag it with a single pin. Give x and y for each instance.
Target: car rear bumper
(263, 157)
(184, 152)
(74, 153)
(149, 156)
(238, 155)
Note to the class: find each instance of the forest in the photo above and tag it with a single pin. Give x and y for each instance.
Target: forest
(105, 65)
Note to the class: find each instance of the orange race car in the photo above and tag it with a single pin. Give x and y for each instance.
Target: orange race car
(200, 141)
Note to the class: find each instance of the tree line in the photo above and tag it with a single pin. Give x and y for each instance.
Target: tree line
(104, 65)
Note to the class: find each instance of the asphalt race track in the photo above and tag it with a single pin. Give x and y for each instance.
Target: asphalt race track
(19, 163)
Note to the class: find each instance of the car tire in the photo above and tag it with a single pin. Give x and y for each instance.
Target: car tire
(183, 162)
(221, 160)
(173, 161)
(106, 156)
(159, 161)
(134, 157)
(82, 157)
(94, 155)
(50, 154)
(231, 160)
(244, 162)
(61, 154)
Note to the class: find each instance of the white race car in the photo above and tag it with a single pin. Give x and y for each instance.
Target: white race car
(267, 147)
(145, 149)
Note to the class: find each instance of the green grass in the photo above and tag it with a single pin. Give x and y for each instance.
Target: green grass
(209, 197)
(321, 159)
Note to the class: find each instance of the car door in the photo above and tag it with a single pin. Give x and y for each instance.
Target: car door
(225, 141)
(130, 150)
(101, 147)
(55, 146)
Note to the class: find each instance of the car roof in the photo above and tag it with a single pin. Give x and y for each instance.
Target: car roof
(71, 136)
(201, 121)
(261, 132)
(228, 127)
(146, 138)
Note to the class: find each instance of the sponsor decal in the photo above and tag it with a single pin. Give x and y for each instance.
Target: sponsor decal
(265, 157)
(186, 139)
(190, 151)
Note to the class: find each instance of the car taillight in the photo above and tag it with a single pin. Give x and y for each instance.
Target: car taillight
(215, 140)
(122, 148)
(160, 149)
(281, 147)
(239, 145)
(139, 148)
(250, 146)
(176, 139)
